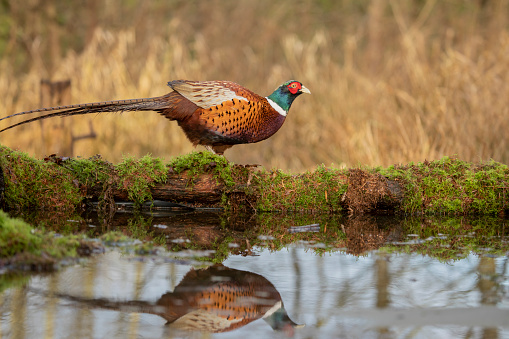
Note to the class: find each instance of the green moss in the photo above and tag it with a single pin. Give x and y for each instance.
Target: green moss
(136, 176)
(18, 237)
(140, 242)
(451, 238)
(452, 186)
(13, 280)
(280, 230)
(114, 238)
(22, 246)
(444, 186)
(140, 227)
(91, 171)
(196, 163)
(222, 250)
(320, 190)
(273, 231)
(63, 246)
(31, 183)
(237, 193)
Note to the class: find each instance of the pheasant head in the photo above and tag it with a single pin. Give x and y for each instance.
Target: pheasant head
(285, 94)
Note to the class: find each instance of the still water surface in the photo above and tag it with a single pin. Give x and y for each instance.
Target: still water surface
(334, 295)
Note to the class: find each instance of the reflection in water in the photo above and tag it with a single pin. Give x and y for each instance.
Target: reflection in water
(336, 295)
(358, 234)
(450, 280)
(213, 299)
(489, 290)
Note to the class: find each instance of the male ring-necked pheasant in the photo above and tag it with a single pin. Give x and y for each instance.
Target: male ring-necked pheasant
(214, 299)
(215, 114)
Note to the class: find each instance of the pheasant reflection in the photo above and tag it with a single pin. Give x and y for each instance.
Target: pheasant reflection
(214, 299)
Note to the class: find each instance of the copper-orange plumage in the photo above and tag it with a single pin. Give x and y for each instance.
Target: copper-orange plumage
(215, 114)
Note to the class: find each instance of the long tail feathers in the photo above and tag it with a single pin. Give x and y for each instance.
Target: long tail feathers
(145, 104)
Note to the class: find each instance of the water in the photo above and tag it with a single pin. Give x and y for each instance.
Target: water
(376, 294)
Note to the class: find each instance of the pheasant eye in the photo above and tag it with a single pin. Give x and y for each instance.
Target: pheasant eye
(294, 87)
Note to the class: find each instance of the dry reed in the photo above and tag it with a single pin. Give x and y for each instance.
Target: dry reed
(402, 83)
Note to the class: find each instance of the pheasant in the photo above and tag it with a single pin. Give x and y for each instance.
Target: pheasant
(215, 114)
(214, 299)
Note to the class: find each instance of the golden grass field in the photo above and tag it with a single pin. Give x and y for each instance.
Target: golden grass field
(392, 81)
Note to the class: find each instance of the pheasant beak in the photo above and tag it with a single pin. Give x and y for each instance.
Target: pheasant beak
(304, 90)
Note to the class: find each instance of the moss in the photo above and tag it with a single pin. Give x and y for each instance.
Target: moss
(320, 190)
(280, 230)
(444, 186)
(32, 183)
(19, 238)
(115, 238)
(91, 171)
(451, 238)
(273, 231)
(26, 248)
(13, 280)
(140, 227)
(63, 246)
(237, 193)
(196, 163)
(452, 186)
(222, 250)
(137, 176)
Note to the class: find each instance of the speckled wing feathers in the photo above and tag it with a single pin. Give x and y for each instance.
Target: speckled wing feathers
(206, 94)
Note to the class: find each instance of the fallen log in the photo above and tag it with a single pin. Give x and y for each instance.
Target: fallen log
(203, 180)
(198, 191)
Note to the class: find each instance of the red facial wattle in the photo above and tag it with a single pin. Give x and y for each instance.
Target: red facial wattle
(294, 87)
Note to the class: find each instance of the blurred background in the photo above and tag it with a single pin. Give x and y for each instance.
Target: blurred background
(392, 81)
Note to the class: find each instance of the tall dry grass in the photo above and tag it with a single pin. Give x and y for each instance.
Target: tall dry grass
(397, 81)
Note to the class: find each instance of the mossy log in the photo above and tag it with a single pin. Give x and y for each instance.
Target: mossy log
(445, 186)
(201, 190)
